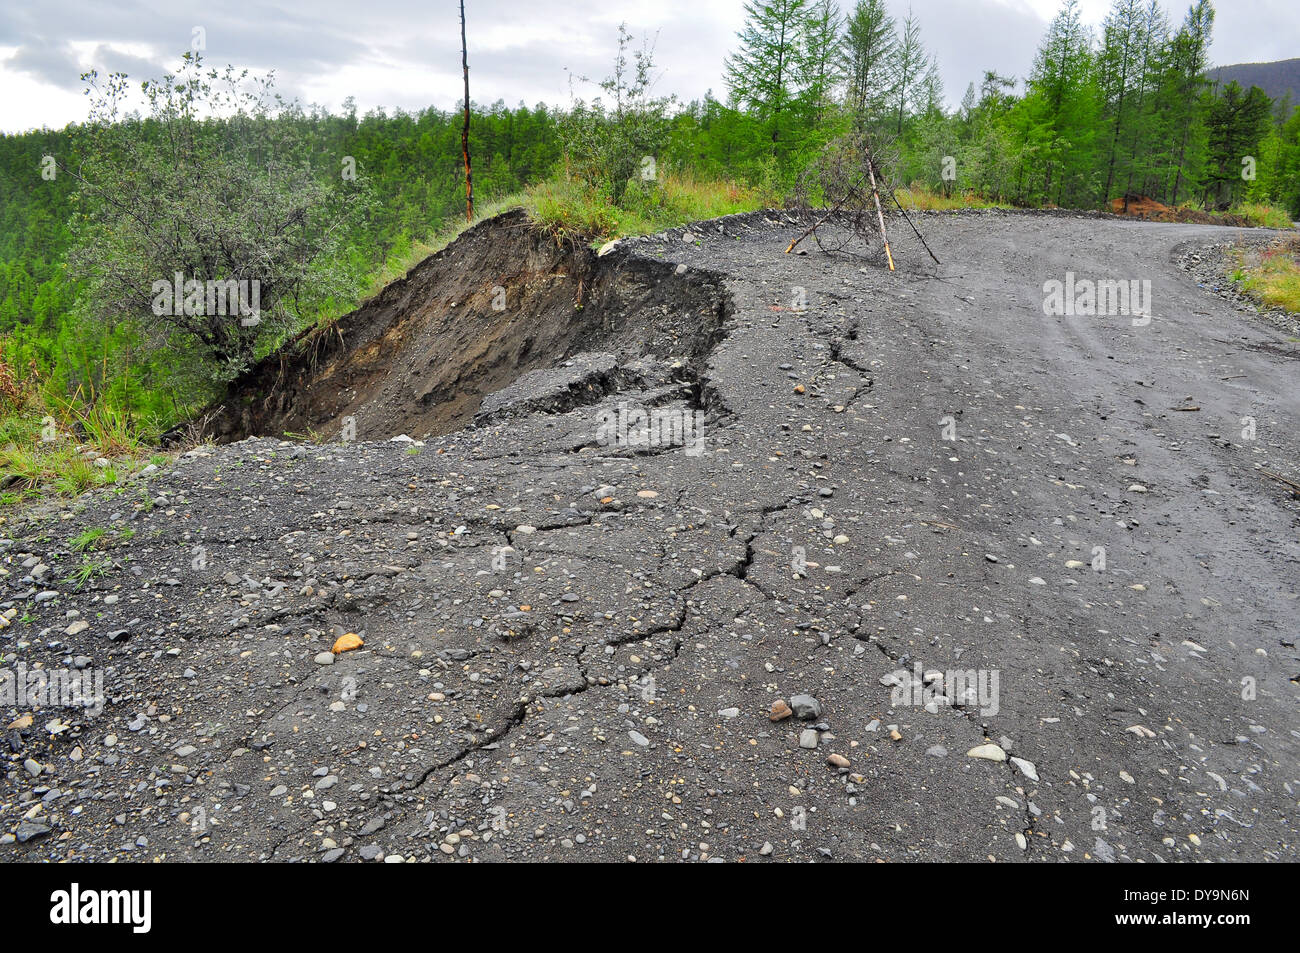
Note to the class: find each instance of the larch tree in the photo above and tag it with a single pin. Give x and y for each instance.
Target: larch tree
(764, 73)
(908, 67)
(868, 50)
(1179, 105)
(820, 63)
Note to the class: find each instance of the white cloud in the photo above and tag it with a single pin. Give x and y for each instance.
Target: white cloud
(400, 53)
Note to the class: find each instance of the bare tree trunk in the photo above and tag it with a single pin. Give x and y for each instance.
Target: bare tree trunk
(880, 216)
(464, 132)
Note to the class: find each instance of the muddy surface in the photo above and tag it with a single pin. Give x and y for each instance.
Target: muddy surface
(576, 618)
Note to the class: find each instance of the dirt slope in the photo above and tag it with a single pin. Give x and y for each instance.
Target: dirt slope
(504, 299)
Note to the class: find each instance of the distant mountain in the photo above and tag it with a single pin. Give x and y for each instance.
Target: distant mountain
(1276, 79)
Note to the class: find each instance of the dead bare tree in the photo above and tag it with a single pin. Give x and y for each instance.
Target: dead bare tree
(847, 179)
(464, 132)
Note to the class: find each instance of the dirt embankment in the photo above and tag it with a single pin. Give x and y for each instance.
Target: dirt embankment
(504, 299)
(1148, 209)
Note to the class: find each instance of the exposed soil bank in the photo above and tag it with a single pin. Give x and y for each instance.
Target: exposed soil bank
(504, 299)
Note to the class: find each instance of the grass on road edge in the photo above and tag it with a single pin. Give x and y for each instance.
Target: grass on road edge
(1272, 275)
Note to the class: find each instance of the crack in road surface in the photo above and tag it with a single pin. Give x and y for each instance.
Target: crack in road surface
(571, 651)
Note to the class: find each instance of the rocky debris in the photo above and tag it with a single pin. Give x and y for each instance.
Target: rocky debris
(1026, 768)
(988, 752)
(30, 830)
(805, 707)
(583, 378)
(1212, 266)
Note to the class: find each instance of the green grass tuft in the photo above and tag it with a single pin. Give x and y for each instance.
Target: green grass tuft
(1263, 215)
(1273, 275)
(574, 210)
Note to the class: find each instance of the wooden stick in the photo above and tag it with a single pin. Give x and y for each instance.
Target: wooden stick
(894, 195)
(1295, 487)
(464, 132)
(880, 216)
(835, 208)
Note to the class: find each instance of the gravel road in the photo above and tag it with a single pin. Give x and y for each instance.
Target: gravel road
(1018, 577)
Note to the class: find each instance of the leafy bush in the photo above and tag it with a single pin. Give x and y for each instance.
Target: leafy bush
(606, 144)
(223, 217)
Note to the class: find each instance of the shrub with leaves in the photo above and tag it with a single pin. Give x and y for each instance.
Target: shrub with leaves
(210, 203)
(607, 143)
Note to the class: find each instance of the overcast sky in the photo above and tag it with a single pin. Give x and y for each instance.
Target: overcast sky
(400, 53)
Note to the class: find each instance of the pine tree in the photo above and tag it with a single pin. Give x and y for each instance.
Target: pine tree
(763, 74)
(1058, 119)
(868, 50)
(820, 64)
(1238, 121)
(908, 66)
(1122, 39)
(1139, 153)
(1180, 98)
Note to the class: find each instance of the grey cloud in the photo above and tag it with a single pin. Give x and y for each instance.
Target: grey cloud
(52, 63)
(405, 54)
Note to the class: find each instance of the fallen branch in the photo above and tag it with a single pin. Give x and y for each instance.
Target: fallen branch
(813, 230)
(1295, 487)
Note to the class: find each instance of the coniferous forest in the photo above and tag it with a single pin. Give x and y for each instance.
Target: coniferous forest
(1124, 108)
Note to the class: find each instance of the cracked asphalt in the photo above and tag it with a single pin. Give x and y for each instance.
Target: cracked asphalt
(1045, 611)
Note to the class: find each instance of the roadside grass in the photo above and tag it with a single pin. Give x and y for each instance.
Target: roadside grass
(575, 210)
(98, 538)
(93, 537)
(406, 255)
(1263, 215)
(572, 209)
(1272, 276)
(48, 447)
(88, 569)
(918, 198)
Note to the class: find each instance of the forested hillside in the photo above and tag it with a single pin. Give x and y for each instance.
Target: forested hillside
(1123, 109)
(410, 163)
(1280, 80)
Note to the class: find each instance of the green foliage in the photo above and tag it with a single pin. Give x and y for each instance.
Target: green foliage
(607, 143)
(1273, 275)
(214, 237)
(579, 212)
(87, 570)
(93, 537)
(1262, 215)
(867, 55)
(1238, 121)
